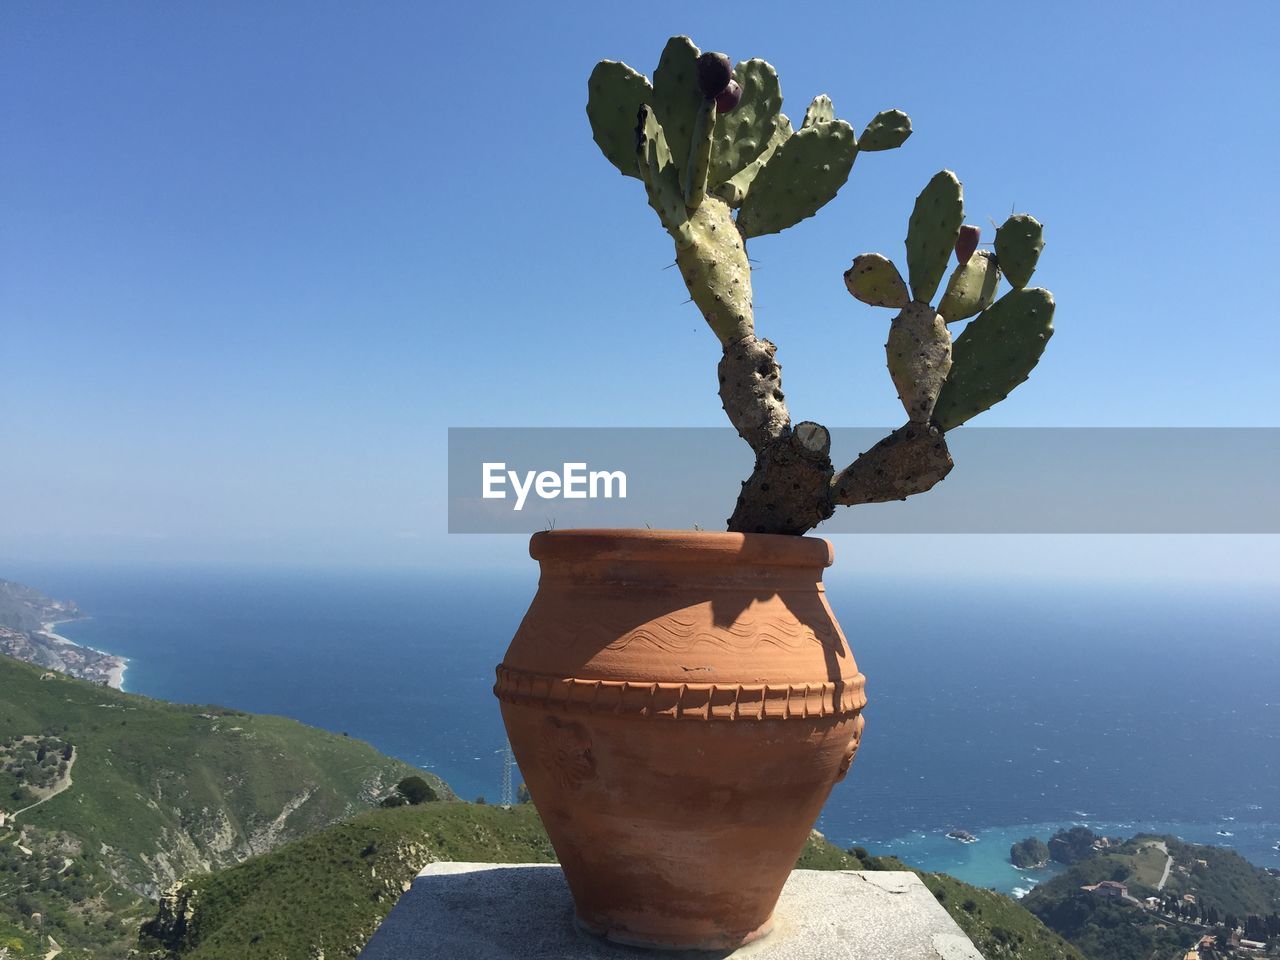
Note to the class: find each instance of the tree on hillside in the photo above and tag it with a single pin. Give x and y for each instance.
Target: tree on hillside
(415, 790)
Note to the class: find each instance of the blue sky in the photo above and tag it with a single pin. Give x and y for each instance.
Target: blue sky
(255, 259)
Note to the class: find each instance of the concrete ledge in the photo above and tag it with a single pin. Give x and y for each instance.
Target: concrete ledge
(490, 911)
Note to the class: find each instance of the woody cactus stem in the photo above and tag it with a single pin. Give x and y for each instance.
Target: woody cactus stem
(721, 164)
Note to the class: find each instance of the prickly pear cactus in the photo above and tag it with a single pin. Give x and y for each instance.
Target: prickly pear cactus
(615, 94)
(721, 164)
(944, 384)
(994, 354)
(690, 154)
(971, 288)
(874, 280)
(932, 232)
(919, 353)
(743, 134)
(821, 110)
(1018, 244)
(804, 173)
(886, 131)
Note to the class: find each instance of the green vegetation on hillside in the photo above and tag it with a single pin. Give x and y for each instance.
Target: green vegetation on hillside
(1208, 891)
(157, 792)
(1072, 846)
(329, 892)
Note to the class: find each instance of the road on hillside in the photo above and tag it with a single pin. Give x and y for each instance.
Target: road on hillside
(1168, 864)
(56, 790)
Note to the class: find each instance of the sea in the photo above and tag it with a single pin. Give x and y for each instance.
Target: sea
(1004, 709)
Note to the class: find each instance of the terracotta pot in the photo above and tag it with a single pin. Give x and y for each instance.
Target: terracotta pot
(680, 705)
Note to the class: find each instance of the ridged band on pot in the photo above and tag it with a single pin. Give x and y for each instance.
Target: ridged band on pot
(680, 705)
(682, 701)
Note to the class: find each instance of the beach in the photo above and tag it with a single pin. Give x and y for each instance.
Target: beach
(84, 662)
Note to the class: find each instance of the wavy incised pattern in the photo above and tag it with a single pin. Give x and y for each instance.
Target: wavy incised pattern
(683, 701)
(682, 631)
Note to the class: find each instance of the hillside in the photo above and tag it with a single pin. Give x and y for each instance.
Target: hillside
(1207, 891)
(24, 608)
(116, 796)
(25, 618)
(326, 894)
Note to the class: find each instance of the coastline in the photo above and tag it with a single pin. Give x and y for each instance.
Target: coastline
(115, 665)
(988, 864)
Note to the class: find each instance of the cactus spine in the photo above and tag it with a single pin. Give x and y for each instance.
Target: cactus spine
(700, 163)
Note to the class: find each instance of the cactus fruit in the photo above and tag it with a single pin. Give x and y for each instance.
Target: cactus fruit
(971, 288)
(919, 355)
(967, 242)
(734, 190)
(715, 70)
(727, 100)
(1018, 244)
(676, 98)
(874, 280)
(931, 233)
(821, 110)
(887, 130)
(994, 354)
(615, 93)
(800, 178)
(742, 135)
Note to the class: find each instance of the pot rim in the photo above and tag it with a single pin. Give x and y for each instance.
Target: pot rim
(681, 546)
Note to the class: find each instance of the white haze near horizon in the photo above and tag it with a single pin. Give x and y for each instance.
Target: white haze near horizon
(1178, 559)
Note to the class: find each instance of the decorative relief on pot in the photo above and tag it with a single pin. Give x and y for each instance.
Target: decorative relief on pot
(565, 752)
(851, 750)
(683, 630)
(684, 701)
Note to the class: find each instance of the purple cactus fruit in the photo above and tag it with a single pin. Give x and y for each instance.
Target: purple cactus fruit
(729, 97)
(714, 74)
(967, 243)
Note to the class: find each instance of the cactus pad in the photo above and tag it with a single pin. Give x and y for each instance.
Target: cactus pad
(695, 177)
(661, 181)
(734, 190)
(676, 97)
(931, 233)
(971, 288)
(741, 136)
(994, 354)
(802, 175)
(888, 129)
(919, 355)
(614, 95)
(1018, 244)
(874, 280)
(821, 110)
(715, 269)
